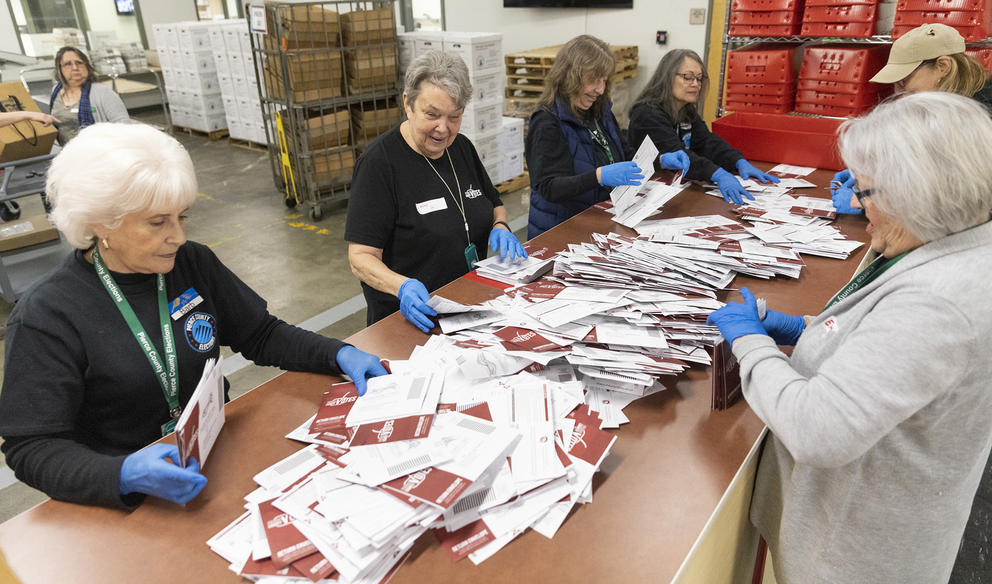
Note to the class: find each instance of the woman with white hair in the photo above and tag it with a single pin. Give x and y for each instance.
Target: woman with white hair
(422, 207)
(102, 354)
(880, 418)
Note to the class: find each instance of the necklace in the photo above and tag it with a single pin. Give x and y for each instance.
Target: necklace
(460, 205)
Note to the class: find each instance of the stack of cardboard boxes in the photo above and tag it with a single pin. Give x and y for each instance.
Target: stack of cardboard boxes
(190, 73)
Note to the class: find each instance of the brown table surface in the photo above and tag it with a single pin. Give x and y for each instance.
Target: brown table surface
(667, 471)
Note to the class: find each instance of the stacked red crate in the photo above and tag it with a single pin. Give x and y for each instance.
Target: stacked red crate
(983, 55)
(972, 18)
(840, 18)
(766, 18)
(761, 79)
(834, 80)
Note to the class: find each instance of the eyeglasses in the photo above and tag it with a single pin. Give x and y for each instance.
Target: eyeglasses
(73, 64)
(860, 194)
(689, 77)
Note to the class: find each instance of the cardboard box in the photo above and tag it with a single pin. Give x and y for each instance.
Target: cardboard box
(328, 131)
(301, 91)
(371, 68)
(299, 27)
(23, 139)
(368, 124)
(332, 165)
(368, 27)
(25, 232)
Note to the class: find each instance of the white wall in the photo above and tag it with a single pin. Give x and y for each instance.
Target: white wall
(103, 17)
(530, 28)
(162, 11)
(8, 31)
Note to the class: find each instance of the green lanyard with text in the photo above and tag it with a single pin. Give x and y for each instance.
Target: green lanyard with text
(167, 372)
(599, 137)
(871, 271)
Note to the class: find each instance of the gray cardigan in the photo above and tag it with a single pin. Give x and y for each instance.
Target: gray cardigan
(106, 104)
(881, 422)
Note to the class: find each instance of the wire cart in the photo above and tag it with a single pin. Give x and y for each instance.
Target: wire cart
(328, 86)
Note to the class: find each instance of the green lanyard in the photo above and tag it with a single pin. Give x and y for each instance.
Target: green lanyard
(599, 137)
(168, 379)
(871, 271)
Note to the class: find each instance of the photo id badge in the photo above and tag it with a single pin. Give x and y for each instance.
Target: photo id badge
(471, 256)
(169, 427)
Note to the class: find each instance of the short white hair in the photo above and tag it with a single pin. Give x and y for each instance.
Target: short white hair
(444, 70)
(111, 170)
(929, 159)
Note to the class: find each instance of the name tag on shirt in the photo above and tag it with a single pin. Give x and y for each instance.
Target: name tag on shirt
(183, 303)
(438, 204)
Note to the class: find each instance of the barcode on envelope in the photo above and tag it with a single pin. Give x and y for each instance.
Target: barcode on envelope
(292, 462)
(470, 502)
(416, 388)
(476, 426)
(408, 466)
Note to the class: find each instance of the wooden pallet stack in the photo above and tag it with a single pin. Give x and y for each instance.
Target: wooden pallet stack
(526, 70)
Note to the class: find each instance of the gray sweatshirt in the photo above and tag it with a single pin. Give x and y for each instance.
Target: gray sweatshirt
(881, 422)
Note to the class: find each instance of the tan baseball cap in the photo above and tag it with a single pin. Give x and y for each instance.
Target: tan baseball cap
(927, 41)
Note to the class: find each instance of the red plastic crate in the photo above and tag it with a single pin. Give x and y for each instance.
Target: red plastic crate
(861, 100)
(750, 106)
(757, 30)
(846, 13)
(847, 64)
(831, 86)
(838, 29)
(821, 109)
(778, 18)
(983, 56)
(928, 5)
(778, 89)
(953, 18)
(839, 2)
(763, 98)
(970, 33)
(765, 65)
(766, 5)
(780, 138)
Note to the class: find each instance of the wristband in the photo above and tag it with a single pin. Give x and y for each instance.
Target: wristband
(504, 224)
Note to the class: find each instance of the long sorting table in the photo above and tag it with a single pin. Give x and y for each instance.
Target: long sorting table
(666, 506)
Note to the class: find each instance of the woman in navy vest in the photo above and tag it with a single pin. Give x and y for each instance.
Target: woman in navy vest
(574, 150)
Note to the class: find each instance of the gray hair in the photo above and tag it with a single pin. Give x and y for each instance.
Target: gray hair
(446, 71)
(658, 92)
(927, 158)
(111, 170)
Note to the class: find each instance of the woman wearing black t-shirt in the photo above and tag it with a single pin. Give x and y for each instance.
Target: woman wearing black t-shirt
(422, 207)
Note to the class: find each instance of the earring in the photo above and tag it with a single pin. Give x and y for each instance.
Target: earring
(105, 244)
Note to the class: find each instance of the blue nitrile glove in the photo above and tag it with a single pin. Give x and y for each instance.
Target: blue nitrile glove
(504, 242)
(747, 170)
(413, 304)
(784, 328)
(146, 471)
(737, 320)
(358, 365)
(620, 174)
(677, 160)
(730, 187)
(841, 195)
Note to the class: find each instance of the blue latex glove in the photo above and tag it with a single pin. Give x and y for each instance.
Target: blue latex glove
(146, 471)
(358, 365)
(730, 187)
(619, 174)
(841, 195)
(737, 320)
(677, 160)
(504, 242)
(413, 304)
(747, 170)
(784, 328)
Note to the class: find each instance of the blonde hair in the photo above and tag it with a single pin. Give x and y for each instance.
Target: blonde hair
(583, 58)
(967, 76)
(111, 170)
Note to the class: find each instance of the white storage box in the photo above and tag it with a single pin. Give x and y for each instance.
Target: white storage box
(241, 86)
(487, 87)
(237, 62)
(217, 44)
(221, 64)
(206, 104)
(482, 119)
(194, 36)
(207, 122)
(512, 134)
(407, 44)
(232, 39)
(203, 84)
(428, 41)
(512, 165)
(226, 85)
(481, 51)
(204, 63)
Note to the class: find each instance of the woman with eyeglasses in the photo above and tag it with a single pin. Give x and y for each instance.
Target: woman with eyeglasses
(667, 111)
(880, 417)
(575, 151)
(77, 101)
(931, 57)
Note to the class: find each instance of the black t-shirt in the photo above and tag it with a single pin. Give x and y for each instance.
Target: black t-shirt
(399, 204)
(78, 391)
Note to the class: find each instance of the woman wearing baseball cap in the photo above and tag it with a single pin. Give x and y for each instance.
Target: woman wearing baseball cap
(930, 57)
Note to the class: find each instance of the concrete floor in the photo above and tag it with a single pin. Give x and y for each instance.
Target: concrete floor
(299, 266)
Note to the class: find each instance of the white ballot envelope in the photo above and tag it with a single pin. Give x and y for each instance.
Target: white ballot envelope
(203, 417)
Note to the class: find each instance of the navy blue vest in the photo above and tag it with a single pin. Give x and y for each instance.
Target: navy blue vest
(543, 213)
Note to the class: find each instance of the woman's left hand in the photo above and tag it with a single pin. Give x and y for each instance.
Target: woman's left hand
(747, 170)
(358, 365)
(506, 244)
(736, 320)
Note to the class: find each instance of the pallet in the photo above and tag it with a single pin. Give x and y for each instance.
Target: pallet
(247, 144)
(541, 59)
(514, 183)
(212, 136)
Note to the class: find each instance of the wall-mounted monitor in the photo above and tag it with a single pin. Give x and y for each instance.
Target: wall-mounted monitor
(568, 3)
(124, 6)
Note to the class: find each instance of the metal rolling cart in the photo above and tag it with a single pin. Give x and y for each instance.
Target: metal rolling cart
(328, 85)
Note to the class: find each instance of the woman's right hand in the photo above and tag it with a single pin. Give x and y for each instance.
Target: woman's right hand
(620, 174)
(730, 187)
(146, 471)
(413, 297)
